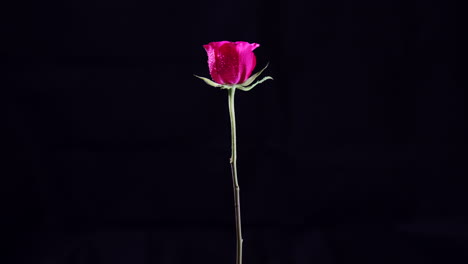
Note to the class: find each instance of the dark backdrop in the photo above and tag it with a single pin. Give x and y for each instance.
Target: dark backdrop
(115, 153)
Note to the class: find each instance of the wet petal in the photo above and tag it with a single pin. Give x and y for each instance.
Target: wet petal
(247, 59)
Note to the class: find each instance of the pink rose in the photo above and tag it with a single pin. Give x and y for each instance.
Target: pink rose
(231, 62)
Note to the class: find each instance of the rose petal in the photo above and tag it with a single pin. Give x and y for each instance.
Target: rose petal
(247, 59)
(211, 50)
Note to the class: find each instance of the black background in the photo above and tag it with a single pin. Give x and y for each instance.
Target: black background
(115, 153)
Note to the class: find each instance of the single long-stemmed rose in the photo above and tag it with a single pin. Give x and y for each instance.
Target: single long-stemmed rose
(230, 65)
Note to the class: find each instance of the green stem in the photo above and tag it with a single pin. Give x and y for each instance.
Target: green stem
(235, 181)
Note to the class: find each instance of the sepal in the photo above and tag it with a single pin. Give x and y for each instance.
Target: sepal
(208, 81)
(214, 84)
(248, 88)
(245, 86)
(253, 77)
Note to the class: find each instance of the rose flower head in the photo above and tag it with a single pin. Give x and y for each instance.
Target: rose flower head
(231, 64)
